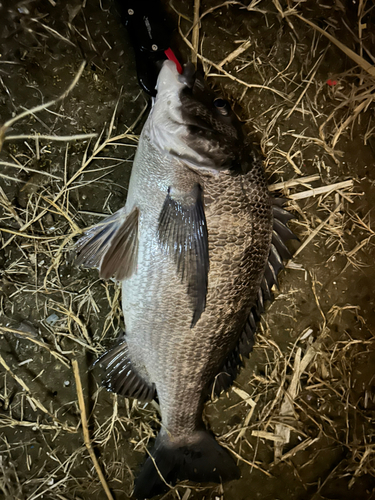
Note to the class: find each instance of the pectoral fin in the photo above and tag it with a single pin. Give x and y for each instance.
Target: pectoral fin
(111, 245)
(183, 234)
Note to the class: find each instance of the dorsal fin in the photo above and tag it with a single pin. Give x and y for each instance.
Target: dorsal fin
(278, 251)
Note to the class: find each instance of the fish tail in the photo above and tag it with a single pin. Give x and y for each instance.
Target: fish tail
(200, 459)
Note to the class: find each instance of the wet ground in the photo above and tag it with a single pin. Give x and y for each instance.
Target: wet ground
(311, 376)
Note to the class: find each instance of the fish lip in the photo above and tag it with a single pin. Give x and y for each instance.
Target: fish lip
(188, 75)
(169, 72)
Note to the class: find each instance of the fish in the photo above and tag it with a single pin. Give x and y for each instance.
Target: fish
(197, 247)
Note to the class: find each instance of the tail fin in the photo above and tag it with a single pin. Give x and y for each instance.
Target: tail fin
(200, 459)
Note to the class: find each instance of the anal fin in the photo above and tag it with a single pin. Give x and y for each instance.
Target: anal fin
(122, 377)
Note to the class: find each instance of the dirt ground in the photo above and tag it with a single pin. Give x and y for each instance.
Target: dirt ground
(300, 418)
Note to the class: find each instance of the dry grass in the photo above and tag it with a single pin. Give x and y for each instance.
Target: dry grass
(306, 394)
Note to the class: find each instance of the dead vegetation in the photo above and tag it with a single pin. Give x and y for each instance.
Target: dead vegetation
(308, 390)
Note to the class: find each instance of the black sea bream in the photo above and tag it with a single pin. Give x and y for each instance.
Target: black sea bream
(197, 247)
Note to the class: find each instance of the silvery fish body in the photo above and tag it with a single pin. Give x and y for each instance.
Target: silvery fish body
(197, 252)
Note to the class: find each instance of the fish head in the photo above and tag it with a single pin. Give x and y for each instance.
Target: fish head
(191, 123)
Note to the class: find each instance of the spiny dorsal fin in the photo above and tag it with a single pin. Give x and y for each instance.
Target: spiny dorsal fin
(183, 235)
(278, 252)
(120, 375)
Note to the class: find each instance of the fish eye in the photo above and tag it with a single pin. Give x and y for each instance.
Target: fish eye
(222, 106)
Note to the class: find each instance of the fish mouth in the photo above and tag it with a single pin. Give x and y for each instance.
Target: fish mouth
(169, 76)
(188, 75)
